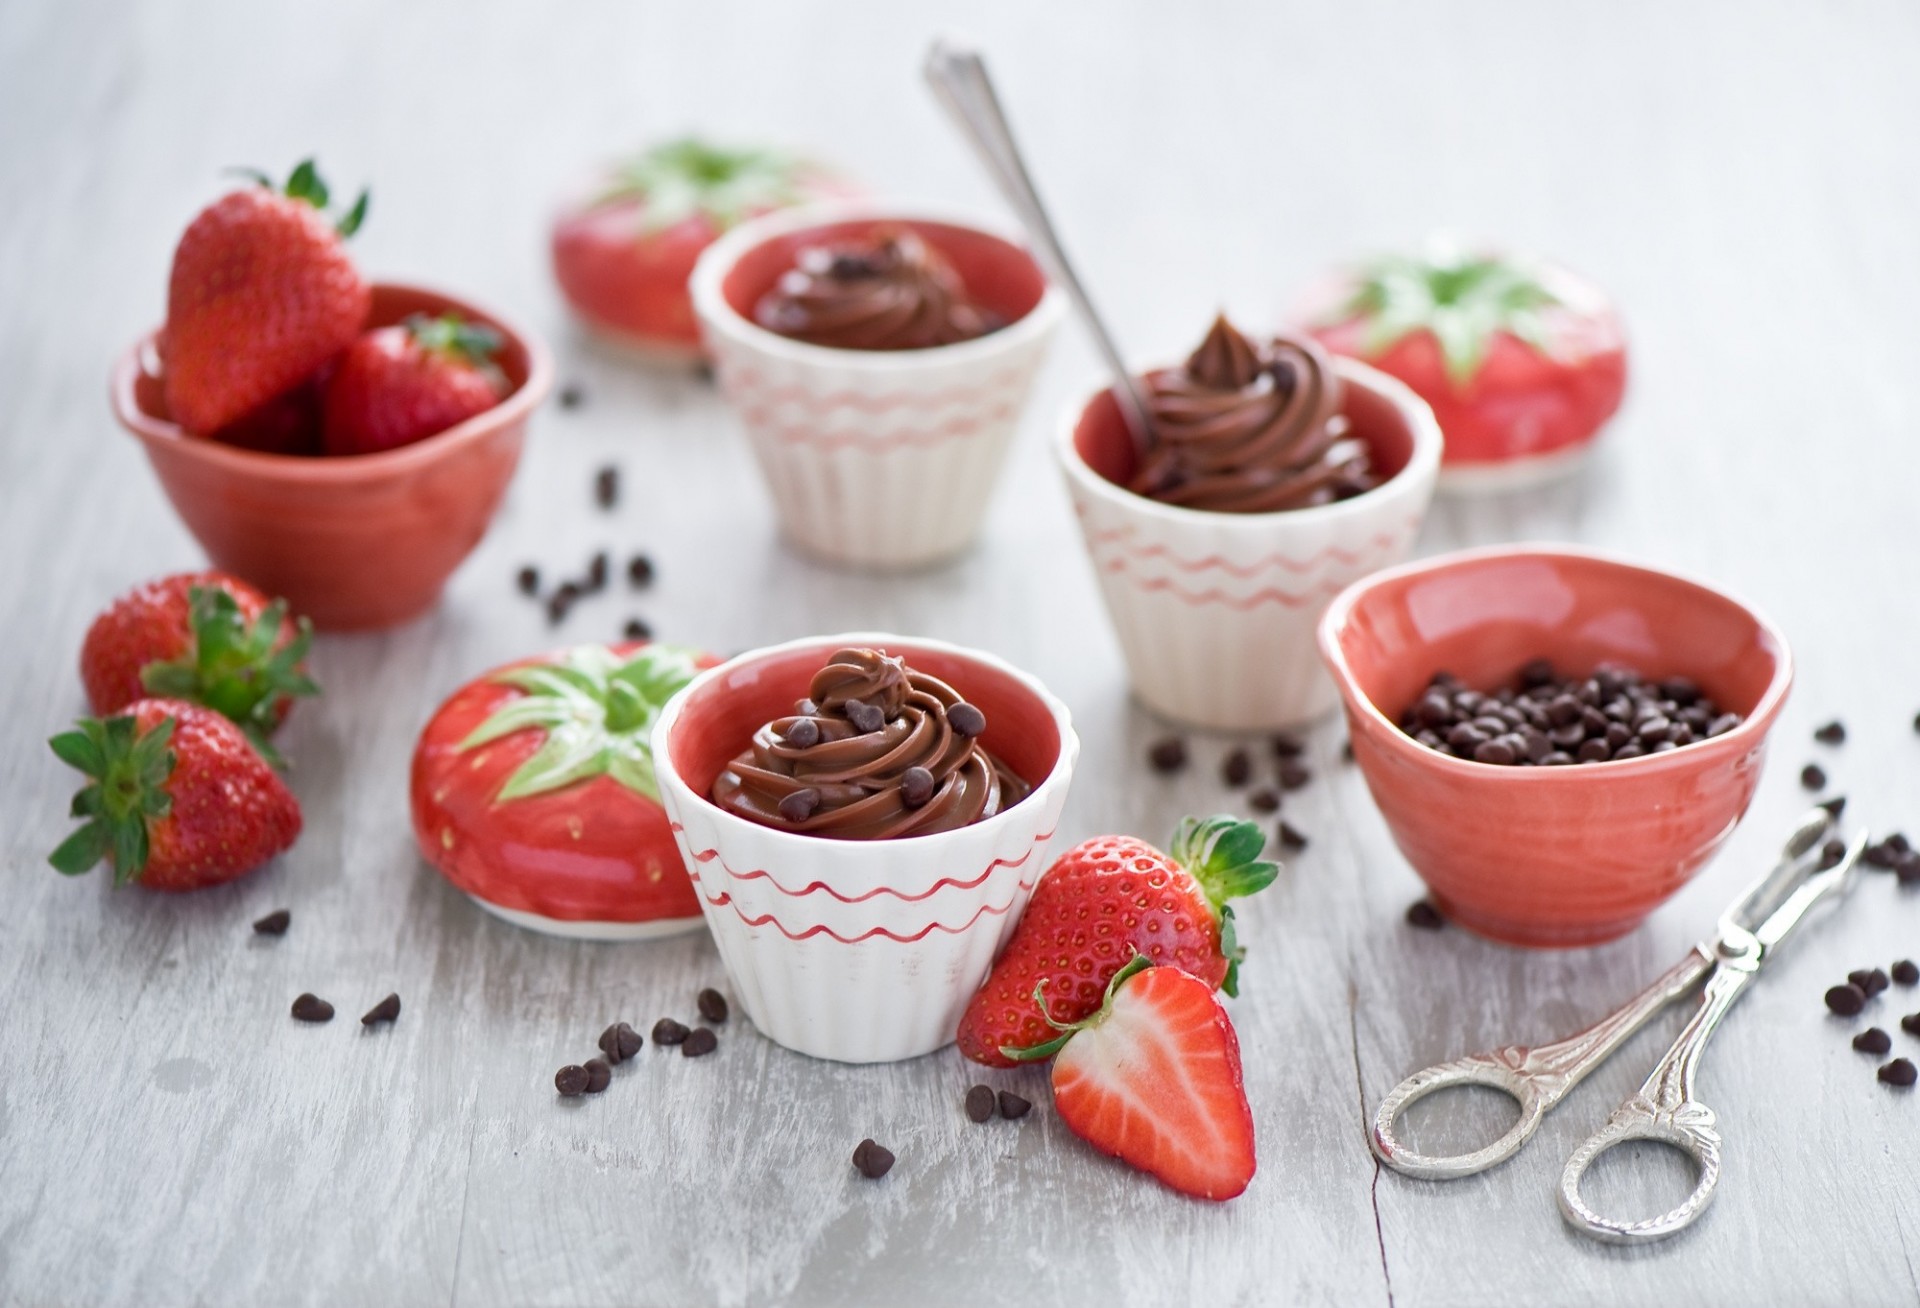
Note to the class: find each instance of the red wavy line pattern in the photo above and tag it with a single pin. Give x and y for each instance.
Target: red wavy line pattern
(986, 910)
(751, 386)
(944, 883)
(1269, 595)
(1120, 537)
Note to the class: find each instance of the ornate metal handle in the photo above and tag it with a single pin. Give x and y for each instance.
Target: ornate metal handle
(1537, 1078)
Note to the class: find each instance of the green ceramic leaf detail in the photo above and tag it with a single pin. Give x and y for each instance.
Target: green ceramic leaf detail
(1462, 299)
(683, 178)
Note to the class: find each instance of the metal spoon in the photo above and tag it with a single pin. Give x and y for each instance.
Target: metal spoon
(959, 80)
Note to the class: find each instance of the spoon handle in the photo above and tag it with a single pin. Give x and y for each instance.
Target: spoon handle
(959, 80)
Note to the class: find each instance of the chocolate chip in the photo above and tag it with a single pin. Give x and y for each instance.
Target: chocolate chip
(1263, 799)
(606, 487)
(980, 1103)
(274, 923)
(668, 1032)
(700, 1040)
(1013, 1107)
(1293, 775)
(1237, 769)
(528, 580)
(1906, 972)
(864, 716)
(620, 1042)
(916, 786)
(799, 806)
(1496, 751)
(597, 572)
(1916, 722)
(1831, 853)
(1168, 755)
(1846, 1000)
(1908, 868)
(1424, 915)
(712, 1005)
(599, 1075)
(1911, 1024)
(637, 629)
(639, 571)
(1812, 777)
(1286, 746)
(572, 1080)
(871, 1160)
(1873, 1041)
(1346, 751)
(966, 720)
(571, 396)
(1834, 733)
(311, 1008)
(1835, 806)
(803, 734)
(703, 373)
(1870, 981)
(387, 1010)
(1291, 837)
(1899, 1072)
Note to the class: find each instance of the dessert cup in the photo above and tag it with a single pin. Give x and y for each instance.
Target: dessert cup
(862, 951)
(1215, 612)
(876, 459)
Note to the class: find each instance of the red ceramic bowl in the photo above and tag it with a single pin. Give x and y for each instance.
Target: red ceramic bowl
(1551, 857)
(359, 542)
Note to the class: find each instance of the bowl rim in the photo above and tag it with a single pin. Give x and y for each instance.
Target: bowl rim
(159, 434)
(1058, 777)
(1751, 731)
(1423, 464)
(718, 259)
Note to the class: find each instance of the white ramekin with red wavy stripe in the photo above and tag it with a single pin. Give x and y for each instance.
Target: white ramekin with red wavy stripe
(1216, 612)
(864, 951)
(879, 459)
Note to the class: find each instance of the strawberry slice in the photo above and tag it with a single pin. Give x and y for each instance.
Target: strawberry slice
(1153, 1078)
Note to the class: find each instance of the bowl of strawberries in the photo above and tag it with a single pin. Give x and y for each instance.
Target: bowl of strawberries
(338, 442)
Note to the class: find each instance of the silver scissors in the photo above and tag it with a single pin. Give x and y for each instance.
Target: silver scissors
(1664, 1108)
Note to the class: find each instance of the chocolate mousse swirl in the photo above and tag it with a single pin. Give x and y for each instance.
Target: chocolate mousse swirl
(887, 291)
(875, 751)
(1246, 429)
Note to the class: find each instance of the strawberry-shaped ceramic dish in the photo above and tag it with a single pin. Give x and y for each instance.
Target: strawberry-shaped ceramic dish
(1552, 856)
(1215, 606)
(863, 947)
(1522, 360)
(354, 542)
(534, 791)
(880, 441)
(623, 250)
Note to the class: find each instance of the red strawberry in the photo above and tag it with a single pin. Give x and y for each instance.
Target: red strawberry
(178, 798)
(1102, 902)
(286, 424)
(1153, 1078)
(397, 385)
(202, 636)
(262, 294)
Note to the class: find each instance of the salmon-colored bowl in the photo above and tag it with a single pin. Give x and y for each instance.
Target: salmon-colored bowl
(357, 542)
(1551, 857)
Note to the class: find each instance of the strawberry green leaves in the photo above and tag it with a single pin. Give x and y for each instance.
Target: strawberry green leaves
(596, 709)
(306, 184)
(449, 334)
(1222, 853)
(246, 671)
(128, 771)
(1461, 299)
(690, 177)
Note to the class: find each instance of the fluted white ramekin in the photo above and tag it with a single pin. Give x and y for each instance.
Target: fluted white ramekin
(1215, 612)
(879, 459)
(864, 951)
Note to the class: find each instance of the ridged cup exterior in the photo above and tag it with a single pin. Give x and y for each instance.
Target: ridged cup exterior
(1216, 612)
(875, 460)
(861, 951)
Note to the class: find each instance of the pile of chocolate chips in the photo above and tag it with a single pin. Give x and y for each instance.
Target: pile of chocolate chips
(1850, 998)
(620, 1041)
(1549, 720)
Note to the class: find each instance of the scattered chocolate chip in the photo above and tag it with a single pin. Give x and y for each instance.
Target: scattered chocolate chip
(799, 806)
(1168, 755)
(1346, 751)
(597, 572)
(1835, 806)
(712, 1005)
(1013, 1107)
(1873, 1041)
(1291, 837)
(572, 1080)
(639, 571)
(700, 1040)
(1813, 777)
(599, 1075)
(1846, 1000)
(1834, 733)
(668, 1032)
(703, 373)
(1906, 972)
(311, 1008)
(1911, 1024)
(966, 720)
(1899, 1072)
(528, 580)
(387, 1010)
(864, 716)
(1916, 722)
(637, 629)
(871, 1160)
(606, 487)
(572, 396)
(274, 923)
(980, 1103)
(620, 1042)
(803, 734)
(1288, 746)
(916, 786)
(1908, 868)
(1831, 853)
(1871, 980)
(1424, 915)
(1263, 799)
(1293, 775)
(1237, 770)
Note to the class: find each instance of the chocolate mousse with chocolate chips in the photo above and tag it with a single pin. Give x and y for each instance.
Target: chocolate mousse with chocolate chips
(888, 290)
(876, 751)
(1246, 428)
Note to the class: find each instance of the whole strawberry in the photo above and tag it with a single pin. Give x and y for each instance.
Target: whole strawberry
(177, 799)
(207, 637)
(397, 385)
(262, 294)
(1104, 901)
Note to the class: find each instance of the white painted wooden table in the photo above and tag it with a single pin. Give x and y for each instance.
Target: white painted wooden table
(1741, 175)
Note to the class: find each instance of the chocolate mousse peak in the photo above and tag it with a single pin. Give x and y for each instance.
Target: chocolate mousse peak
(871, 676)
(885, 290)
(1226, 360)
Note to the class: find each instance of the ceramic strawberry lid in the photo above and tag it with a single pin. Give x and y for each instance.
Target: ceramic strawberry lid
(533, 791)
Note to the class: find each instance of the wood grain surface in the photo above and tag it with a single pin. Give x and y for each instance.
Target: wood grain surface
(1741, 175)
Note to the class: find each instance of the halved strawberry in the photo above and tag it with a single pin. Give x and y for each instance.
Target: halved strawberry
(1153, 1078)
(1102, 902)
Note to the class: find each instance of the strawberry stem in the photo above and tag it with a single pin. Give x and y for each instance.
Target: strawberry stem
(1047, 1049)
(129, 771)
(305, 183)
